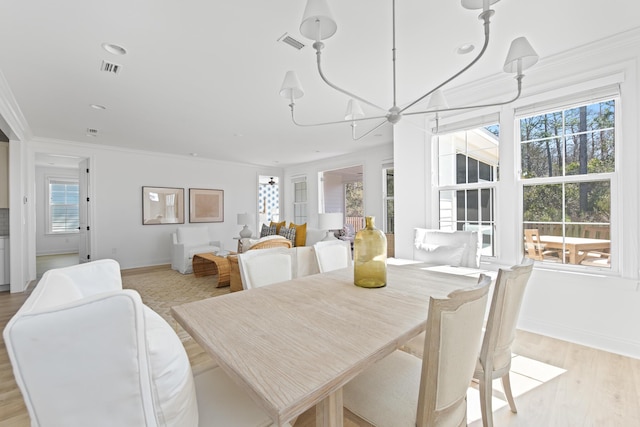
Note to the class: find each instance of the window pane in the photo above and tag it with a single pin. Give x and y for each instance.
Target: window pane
(461, 169)
(543, 203)
(541, 158)
(389, 182)
(390, 216)
(472, 170)
(472, 206)
(588, 202)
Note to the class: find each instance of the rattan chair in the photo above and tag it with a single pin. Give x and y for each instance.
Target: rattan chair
(279, 242)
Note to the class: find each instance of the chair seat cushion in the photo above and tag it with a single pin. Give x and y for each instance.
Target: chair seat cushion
(171, 376)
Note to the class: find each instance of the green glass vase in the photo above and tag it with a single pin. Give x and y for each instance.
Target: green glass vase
(370, 256)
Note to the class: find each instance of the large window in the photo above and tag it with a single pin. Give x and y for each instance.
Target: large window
(468, 169)
(567, 170)
(63, 209)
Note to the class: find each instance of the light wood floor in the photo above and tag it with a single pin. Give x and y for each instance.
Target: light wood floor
(598, 388)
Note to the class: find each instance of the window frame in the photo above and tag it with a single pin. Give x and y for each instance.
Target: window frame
(50, 180)
(613, 177)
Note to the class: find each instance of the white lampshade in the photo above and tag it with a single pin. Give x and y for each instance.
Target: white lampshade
(520, 57)
(478, 4)
(317, 21)
(354, 110)
(437, 101)
(245, 218)
(291, 87)
(330, 221)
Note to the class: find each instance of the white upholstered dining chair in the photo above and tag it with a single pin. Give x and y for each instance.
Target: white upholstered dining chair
(495, 354)
(402, 390)
(266, 266)
(333, 255)
(86, 352)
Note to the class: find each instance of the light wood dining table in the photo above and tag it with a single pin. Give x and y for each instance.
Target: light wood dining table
(293, 345)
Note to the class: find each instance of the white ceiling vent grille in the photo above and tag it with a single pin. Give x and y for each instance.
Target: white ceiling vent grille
(110, 67)
(92, 132)
(287, 39)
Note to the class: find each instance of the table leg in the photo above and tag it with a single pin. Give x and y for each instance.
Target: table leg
(329, 411)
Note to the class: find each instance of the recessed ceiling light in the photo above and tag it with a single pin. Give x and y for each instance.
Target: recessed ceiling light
(98, 107)
(193, 154)
(114, 49)
(463, 49)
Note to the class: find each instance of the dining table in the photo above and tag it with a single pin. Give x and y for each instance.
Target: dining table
(577, 247)
(295, 344)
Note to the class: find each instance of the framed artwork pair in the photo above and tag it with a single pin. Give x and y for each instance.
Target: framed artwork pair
(165, 205)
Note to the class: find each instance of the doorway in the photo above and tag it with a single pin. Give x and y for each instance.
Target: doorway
(342, 190)
(61, 189)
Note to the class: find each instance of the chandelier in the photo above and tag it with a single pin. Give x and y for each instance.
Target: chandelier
(318, 24)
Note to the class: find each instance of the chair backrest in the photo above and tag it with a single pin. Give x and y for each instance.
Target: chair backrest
(271, 242)
(86, 352)
(508, 294)
(333, 255)
(266, 266)
(454, 331)
(457, 248)
(596, 232)
(532, 244)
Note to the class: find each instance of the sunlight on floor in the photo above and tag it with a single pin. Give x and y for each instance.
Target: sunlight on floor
(526, 374)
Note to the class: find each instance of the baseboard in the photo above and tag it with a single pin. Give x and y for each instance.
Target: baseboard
(4, 288)
(147, 269)
(583, 337)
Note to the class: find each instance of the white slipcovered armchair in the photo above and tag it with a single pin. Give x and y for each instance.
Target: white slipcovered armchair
(187, 242)
(455, 248)
(85, 352)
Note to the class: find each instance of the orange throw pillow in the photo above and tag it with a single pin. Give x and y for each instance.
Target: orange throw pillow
(278, 225)
(301, 233)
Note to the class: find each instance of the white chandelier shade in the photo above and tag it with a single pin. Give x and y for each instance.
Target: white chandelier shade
(318, 24)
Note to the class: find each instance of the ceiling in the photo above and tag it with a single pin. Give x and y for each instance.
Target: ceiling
(203, 77)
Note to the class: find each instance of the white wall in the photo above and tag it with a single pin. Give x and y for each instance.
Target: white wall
(117, 178)
(596, 308)
(47, 244)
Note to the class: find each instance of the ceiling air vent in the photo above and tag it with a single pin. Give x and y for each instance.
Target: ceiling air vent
(110, 67)
(286, 38)
(92, 132)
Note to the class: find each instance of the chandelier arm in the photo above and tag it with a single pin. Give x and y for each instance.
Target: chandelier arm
(318, 46)
(486, 16)
(337, 122)
(495, 104)
(353, 131)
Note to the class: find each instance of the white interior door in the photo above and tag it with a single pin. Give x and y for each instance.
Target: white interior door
(84, 240)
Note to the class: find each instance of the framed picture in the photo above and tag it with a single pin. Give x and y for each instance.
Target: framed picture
(162, 205)
(206, 205)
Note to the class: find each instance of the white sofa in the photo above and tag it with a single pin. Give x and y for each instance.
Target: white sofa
(85, 352)
(187, 242)
(455, 248)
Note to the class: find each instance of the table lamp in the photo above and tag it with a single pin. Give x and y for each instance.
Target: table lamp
(244, 219)
(330, 221)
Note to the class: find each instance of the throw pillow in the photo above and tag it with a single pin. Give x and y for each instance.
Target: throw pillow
(288, 233)
(301, 234)
(278, 225)
(267, 231)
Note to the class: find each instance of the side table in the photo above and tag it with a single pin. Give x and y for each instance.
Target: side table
(207, 264)
(236, 280)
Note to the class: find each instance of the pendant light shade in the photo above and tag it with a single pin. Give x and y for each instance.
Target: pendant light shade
(478, 4)
(437, 101)
(291, 87)
(317, 21)
(354, 110)
(520, 57)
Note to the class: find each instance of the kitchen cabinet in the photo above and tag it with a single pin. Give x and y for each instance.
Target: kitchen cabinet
(4, 175)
